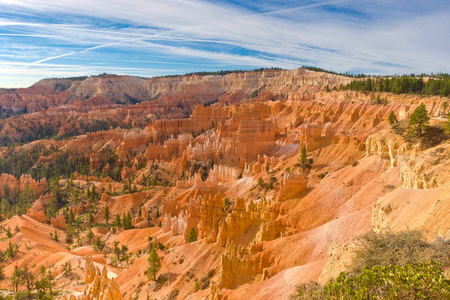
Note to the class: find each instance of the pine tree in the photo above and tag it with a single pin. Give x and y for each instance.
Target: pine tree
(10, 251)
(192, 235)
(392, 118)
(123, 253)
(90, 236)
(124, 221)
(129, 221)
(444, 106)
(378, 100)
(2, 274)
(303, 157)
(260, 181)
(67, 269)
(28, 279)
(419, 119)
(197, 285)
(154, 264)
(90, 219)
(118, 221)
(16, 278)
(106, 214)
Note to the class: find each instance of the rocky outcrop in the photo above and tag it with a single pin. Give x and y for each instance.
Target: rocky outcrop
(240, 265)
(105, 197)
(380, 216)
(430, 170)
(263, 164)
(215, 293)
(254, 137)
(212, 214)
(23, 182)
(188, 216)
(97, 285)
(291, 185)
(389, 145)
(340, 259)
(420, 175)
(222, 173)
(37, 210)
(420, 168)
(256, 215)
(59, 222)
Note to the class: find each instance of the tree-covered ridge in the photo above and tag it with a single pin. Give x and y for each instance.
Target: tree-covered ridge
(406, 84)
(220, 73)
(82, 78)
(200, 73)
(316, 69)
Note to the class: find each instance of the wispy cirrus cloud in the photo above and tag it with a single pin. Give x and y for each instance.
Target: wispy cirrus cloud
(138, 36)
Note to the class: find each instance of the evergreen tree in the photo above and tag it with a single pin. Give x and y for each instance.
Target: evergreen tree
(106, 214)
(90, 219)
(67, 270)
(386, 85)
(444, 106)
(378, 99)
(260, 181)
(118, 221)
(116, 249)
(368, 85)
(392, 118)
(8, 232)
(123, 253)
(419, 119)
(90, 237)
(154, 264)
(16, 278)
(11, 250)
(192, 235)
(42, 284)
(129, 221)
(45, 283)
(28, 279)
(303, 156)
(380, 84)
(124, 221)
(2, 274)
(197, 286)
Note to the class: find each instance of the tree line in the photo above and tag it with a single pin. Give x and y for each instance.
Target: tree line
(402, 85)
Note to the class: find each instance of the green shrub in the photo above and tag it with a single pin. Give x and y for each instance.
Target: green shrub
(416, 281)
(403, 248)
(192, 235)
(309, 291)
(322, 175)
(389, 266)
(392, 118)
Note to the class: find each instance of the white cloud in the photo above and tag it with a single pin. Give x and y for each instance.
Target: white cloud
(380, 36)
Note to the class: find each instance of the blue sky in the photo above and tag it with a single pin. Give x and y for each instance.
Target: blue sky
(60, 38)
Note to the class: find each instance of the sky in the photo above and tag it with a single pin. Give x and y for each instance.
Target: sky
(62, 38)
